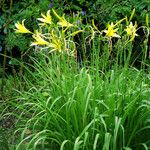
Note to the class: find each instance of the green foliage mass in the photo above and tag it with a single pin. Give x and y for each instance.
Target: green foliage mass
(109, 10)
(60, 106)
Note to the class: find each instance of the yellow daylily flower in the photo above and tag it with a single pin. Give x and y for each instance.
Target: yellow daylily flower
(56, 42)
(38, 39)
(46, 18)
(131, 30)
(56, 46)
(62, 22)
(111, 32)
(20, 28)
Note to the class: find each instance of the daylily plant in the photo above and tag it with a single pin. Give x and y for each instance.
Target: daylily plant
(46, 18)
(131, 30)
(60, 39)
(56, 42)
(55, 39)
(62, 21)
(111, 32)
(20, 28)
(39, 39)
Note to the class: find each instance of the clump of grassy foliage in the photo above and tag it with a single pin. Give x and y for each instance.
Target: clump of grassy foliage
(63, 107)
(102, 103)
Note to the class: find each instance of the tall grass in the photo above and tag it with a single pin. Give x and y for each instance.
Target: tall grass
(63, 106)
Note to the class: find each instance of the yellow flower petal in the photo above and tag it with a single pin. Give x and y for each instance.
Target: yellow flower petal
(62, 21)
(111, 32)
(46, 18)
(39, 40)
(131, 30)
(20, 28)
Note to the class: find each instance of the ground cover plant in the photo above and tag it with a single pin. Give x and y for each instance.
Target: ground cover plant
(80, 89)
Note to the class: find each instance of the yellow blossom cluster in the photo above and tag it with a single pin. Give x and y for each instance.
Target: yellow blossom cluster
(50, 40)
(111, 30)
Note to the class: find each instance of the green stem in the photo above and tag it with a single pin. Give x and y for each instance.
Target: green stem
(4, 68)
